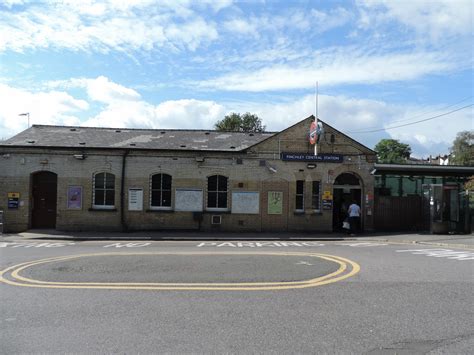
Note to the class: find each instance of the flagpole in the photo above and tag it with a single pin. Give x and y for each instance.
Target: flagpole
(316, 93)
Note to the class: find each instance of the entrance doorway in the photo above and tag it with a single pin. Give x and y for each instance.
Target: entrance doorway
(44, 192)
(346, 189)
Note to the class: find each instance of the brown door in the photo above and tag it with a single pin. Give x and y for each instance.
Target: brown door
(44, 200)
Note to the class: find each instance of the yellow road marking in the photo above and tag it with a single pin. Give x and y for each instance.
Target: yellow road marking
(249, 286)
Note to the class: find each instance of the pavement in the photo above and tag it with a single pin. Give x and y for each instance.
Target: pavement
(441, 240)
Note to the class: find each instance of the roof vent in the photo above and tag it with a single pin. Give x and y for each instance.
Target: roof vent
(183, 146)
(118, 131)
(73, 130)
(82, 143)
(31, 142)
(251, 134)
(232, 147)
(162, 132)
(133, 144)
(207, 133)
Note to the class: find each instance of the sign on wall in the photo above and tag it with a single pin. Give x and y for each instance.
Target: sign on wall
(135, 199)
(320, 158)
(327, 204)
(13, 199)
(188, 200)
(275, 202)
(245, 202)
(74, 197)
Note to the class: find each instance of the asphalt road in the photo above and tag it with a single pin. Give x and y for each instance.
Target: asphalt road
(235, 297)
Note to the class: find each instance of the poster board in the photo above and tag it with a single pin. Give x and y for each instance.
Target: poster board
(245, 202)
(74, 197)
(188, 200)
(135, 199)
(275, 202)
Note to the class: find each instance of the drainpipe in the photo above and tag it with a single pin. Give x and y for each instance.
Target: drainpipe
(122, 194)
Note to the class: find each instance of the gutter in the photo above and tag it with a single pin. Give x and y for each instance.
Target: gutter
(122, 194)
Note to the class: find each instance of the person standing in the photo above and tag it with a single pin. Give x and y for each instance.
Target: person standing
(354, 217)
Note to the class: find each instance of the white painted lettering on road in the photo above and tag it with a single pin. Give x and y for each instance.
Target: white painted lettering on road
(34, 245)
(127, 245)
(258, 244)
(363, 244)
(441, 253)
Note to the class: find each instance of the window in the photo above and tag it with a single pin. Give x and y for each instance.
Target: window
(217, 191)
(161, 191)
(299, 195)
(316, 196)
(104, 191)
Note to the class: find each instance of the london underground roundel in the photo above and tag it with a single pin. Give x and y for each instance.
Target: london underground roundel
(313, 133)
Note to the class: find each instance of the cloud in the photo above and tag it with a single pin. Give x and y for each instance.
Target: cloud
(334, 67)
(440, 19)
(123, 107)
(50, 107)
(105, 26)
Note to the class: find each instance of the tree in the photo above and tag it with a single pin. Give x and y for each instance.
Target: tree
(235, 122)
(391, 151)
(462, 151)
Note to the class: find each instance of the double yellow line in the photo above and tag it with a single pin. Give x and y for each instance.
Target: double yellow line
(347, 268)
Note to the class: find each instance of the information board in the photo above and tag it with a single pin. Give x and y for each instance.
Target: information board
(189, 200)
(245, 202)
(135, 199)
(275, 202)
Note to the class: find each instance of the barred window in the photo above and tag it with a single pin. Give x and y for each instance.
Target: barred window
(104, 191)
(161, 191)
(299, 206)
(316, 196)
(217, 191)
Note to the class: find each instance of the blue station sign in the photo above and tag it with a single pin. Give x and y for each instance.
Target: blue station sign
(320, 158)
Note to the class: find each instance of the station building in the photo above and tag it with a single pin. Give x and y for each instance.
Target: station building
(82, 178)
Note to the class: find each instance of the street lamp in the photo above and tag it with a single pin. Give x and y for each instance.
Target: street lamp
(26, 114)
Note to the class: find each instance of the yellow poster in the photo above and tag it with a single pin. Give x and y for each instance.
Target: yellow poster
(13, 195)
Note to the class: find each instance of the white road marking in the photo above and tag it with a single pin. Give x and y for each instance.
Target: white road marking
(127, 245)
(258, 244)
(364, 244)
(304, 263)
(441, 253)
(34, 245)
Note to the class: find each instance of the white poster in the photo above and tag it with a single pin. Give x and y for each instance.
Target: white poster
(189, 200)
(245, 202)
(135, 199)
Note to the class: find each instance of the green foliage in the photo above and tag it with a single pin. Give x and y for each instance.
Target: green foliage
(391, 151)
(462, 151)
(235, 122)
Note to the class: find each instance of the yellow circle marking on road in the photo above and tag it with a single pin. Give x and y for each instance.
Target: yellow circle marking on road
(335, 276)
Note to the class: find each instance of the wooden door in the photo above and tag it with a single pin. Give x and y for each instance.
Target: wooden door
(44, 200)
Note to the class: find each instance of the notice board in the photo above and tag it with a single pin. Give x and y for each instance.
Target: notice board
(245, 202)
(189, 200)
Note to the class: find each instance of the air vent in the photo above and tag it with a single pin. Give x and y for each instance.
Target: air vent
(241, 184)
(241, 223)
(239, 161)
(216, 219)
(262, 163)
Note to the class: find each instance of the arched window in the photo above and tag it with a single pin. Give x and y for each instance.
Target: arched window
(104, 191)
(217, 191)
(347, 179)
(161, 191)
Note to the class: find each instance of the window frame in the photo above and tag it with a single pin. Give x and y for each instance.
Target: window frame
(299, 195)
(217, 192)
(105, 189)
(161, 208)
(313, 194)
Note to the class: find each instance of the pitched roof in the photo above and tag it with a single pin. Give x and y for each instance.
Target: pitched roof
(119, 138)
